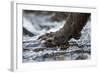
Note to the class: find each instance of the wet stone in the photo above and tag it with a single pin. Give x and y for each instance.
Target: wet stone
(38, 49)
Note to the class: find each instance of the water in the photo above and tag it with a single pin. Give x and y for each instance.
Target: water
(34, 51)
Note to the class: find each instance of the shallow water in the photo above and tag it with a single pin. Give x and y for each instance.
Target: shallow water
(34, 51)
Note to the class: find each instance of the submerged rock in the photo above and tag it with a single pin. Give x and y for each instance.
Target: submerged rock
(38, 49)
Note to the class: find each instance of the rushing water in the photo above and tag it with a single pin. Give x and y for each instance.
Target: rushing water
(33, 51)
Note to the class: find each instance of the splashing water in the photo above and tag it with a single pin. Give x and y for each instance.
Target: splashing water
(33, 51)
